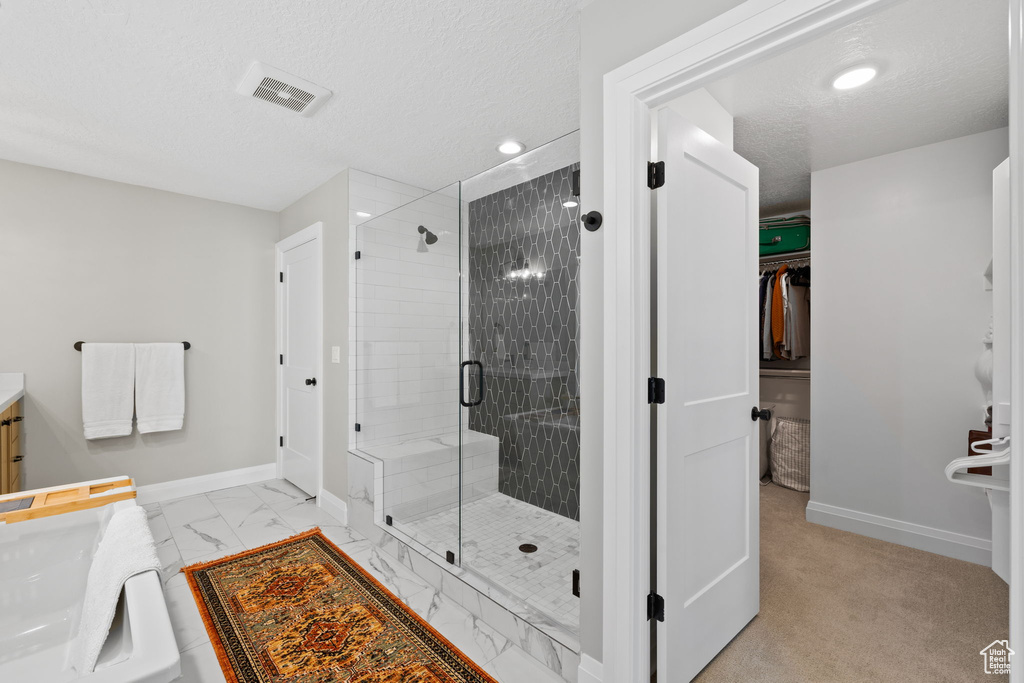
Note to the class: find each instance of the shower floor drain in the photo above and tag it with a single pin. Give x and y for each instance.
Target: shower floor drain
(528, 548)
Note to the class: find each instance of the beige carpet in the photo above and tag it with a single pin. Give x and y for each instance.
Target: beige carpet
(837, 606)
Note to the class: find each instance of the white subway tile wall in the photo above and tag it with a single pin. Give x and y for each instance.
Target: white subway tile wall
(404, 322)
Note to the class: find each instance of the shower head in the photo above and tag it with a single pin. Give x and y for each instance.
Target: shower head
(428, 237)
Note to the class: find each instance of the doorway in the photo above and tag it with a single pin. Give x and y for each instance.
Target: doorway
(300, 358)
(741, 39)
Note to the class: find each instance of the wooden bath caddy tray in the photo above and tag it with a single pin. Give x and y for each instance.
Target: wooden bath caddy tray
(56, 500)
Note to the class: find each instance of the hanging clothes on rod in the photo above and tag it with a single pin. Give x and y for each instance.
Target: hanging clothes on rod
(785, 308)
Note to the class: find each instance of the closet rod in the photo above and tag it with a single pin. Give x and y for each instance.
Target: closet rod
(772, 259)
(78, 345)
(790, 374)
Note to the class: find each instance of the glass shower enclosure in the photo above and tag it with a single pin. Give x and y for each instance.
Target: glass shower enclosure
(466, 387)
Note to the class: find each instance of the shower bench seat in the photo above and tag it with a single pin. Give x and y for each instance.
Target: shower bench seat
(416, 478)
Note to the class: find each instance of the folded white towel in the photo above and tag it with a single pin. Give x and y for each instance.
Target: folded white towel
(159, 386)
(108, 383)
(126, 549)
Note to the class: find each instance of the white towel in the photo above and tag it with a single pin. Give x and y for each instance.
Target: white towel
(160, 386)
(108, 383)
(126, 549)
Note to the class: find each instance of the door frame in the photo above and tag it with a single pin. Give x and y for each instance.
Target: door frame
(747, 34)
(313, 233)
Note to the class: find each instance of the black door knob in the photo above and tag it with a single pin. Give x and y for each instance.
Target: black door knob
(311, 382)
(756, 414)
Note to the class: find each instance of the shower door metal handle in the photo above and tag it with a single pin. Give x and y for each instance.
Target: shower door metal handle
(462, 383)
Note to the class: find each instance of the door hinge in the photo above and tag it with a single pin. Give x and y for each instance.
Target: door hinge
(655, 174)
(280, 441)
(655, 390)
(282, 359)
(655, 607)
(449, 556)
(576, 582)
(359, 427)
(280, 276)
(359, 255)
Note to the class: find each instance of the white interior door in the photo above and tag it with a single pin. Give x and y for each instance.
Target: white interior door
(1001, 340)
(707, 443)
(300, 342)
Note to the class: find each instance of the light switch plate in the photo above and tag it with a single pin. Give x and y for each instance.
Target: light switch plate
(335, 354)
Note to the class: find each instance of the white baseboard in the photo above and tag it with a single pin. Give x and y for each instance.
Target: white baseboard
(333, 506)
(179, 488)
(938, 541)
(591, 670)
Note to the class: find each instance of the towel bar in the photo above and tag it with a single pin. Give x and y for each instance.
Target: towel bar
(78, 345)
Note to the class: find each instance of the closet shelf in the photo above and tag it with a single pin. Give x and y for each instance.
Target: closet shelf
(772, 259)
(791, 374)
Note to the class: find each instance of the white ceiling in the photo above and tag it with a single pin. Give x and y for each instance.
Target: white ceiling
(143, 92)
(943, 74)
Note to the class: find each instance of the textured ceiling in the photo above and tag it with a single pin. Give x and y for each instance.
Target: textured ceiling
(943, 74)
(143, 92)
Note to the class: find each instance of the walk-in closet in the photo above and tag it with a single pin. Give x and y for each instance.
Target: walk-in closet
(875, 322)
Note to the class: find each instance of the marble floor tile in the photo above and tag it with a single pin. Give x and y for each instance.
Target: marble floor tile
(217, 554)
(170, 565)
(188, 626)
(184, 510)
(200, 665)
(203, 536)
(303, 515)
(342, 536)
(252, 520)
(263, 528)
(477, 640)
(515, 666)
(278, 492)
(399, 579)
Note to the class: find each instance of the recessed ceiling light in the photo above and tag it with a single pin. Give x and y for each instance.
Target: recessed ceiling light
(571, 204)
(854, 78)
(363, 214)
(511, 147)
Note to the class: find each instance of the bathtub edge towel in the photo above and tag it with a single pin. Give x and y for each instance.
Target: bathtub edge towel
(126, 549)
(108, 385)
(160, 387)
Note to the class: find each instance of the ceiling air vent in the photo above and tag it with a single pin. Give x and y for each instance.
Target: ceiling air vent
(277, 87)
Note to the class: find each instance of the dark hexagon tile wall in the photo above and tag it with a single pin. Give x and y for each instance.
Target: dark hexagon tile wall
(523, 326)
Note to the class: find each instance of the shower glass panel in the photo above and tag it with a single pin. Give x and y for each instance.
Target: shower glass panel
(523, 232)
(466, 377)
(409, 421)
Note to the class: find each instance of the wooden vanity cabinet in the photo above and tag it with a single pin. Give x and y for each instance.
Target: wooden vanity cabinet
(10, 449)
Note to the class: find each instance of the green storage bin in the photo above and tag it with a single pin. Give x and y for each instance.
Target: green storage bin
(782, 235)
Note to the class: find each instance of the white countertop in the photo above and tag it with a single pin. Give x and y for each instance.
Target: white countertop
(12, 387)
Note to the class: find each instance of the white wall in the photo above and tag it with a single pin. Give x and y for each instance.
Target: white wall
(899, 308)
(329, 203)
(700, 108)
(94, 260)
(614, 32)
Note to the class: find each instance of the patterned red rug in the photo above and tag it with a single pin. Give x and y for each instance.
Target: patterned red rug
(302, 611)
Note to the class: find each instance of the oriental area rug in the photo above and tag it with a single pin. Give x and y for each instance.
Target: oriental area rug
(302, 611)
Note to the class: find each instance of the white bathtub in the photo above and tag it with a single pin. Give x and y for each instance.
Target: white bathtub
(44, 565)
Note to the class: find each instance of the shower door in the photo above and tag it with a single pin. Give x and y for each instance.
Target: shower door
(407, 335)
(520, 456)
(466, 377)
